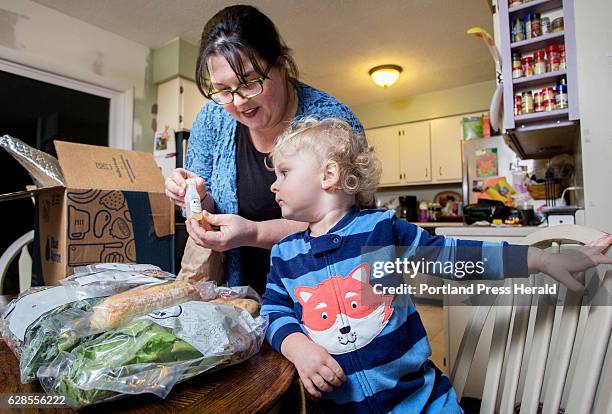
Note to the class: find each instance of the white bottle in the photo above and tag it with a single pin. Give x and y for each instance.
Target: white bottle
(193, 206)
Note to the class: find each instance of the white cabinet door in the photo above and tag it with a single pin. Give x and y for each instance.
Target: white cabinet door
(178, 103)
(446, 156)
(386, 146)
(193, 101)
(415, 153)
(169, 104)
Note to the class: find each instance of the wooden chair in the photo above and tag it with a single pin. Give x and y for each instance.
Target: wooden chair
(18, 247)
(546, 358)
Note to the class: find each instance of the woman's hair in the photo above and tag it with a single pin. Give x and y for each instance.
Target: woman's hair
(333, 140)
(238, 31)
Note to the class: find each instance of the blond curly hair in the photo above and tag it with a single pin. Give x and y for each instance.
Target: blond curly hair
(333, 140)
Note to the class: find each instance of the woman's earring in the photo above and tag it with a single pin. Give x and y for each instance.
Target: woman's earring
(268, 163)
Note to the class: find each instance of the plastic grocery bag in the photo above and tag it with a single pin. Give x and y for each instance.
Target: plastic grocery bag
(126, 275)
(36, 325)
(43, 321)
(152, 353)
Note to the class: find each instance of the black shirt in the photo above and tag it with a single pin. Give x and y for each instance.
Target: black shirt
(255, 202)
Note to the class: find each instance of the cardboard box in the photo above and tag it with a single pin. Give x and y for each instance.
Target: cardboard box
(113, 208)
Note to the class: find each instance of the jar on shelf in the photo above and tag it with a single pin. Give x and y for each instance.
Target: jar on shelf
(552, 51)
(527, 62)
(518, 110)
(518, 30)
(545, 25)
(538, 102)
(527, 102)
(512, 3)
(517, 66)
(550, 104)
(561, 97)
(557, 25)
(555, 64)
(536, 27)
(528, 25)
(549, 93)
(539, 62)
(562, 61)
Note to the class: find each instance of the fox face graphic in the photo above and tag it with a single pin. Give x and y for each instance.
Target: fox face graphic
(343, 314)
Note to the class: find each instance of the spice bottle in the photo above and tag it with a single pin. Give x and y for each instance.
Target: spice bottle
(518, 110)
(527, 62)
(561, 97)
(527, 102)
(536, 28)
(518, 30)
(538, 101)
(193, 206)
(539, 62)
(552, 52)
(562, 64)
(528, 25)
(545, 25)
(517, 66)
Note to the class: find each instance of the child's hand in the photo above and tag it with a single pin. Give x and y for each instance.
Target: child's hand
(564, 267)
(317, 369)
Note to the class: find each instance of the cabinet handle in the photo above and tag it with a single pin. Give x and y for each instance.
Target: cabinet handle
(440, 172)
(426, 172)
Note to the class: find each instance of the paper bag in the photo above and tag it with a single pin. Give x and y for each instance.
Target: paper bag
(199, 263)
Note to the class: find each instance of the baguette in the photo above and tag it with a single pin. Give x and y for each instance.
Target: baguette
(249, 305)
(116, 309)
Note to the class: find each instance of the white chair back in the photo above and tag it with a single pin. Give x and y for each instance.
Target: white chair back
(18, 247)
(546, 358)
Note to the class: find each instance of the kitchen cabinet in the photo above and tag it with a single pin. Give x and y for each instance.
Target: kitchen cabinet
(178, 103)
(446, 155)
(404, 152)
(426, 152)
(539, 133)
(415, 153)
(386, 144)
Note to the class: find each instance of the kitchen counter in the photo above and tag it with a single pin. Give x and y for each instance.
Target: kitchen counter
(432, 224)
(487, 231)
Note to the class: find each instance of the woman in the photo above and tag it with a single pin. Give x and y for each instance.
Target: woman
(245, 68)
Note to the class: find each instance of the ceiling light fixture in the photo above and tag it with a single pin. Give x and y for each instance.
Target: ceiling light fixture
(385, 75)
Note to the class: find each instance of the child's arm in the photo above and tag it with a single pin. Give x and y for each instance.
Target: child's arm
(316, 367)
(503, 260)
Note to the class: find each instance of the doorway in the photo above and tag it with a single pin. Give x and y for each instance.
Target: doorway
(38, 113)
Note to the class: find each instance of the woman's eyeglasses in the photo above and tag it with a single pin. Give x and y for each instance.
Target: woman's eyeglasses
(246, 90)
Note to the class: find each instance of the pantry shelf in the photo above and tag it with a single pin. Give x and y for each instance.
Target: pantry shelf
(539, 116)
(538, 80)
(537, 42)
(537, 6)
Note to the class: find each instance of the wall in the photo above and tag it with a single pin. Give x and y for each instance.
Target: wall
(70, 47)
(594, 56)
(456, 101)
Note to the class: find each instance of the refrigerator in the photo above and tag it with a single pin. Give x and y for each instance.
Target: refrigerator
(486, 158)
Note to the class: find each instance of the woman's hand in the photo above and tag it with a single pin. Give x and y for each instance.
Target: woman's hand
(176, 186)
(234, 231)
(317, 369)
(565, 266)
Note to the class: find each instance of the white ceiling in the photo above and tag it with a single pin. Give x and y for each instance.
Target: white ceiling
(335, 42)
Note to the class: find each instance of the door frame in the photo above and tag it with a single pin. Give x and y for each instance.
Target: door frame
(121, 96)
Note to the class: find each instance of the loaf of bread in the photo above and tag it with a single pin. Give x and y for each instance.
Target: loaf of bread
(249, 305)
(116, 309)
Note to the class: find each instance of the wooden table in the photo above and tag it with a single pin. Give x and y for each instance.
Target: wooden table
(253, 386)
